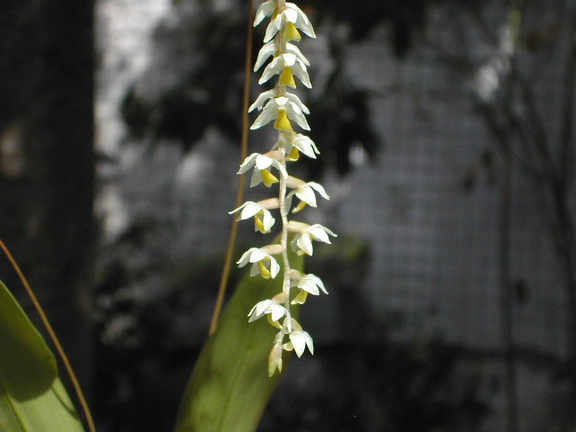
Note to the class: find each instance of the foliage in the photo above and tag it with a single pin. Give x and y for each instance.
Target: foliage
(230, 387)
(32, 397)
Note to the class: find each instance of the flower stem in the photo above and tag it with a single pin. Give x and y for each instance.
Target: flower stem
(240, 195)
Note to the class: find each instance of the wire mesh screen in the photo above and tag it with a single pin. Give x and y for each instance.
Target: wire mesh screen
(429, 207)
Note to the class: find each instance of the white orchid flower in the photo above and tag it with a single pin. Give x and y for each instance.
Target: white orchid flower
(306, 192)
(262, 261)
(270, 49)
(290, 20)
(267, 307)
(305, 145)
(267, 95)
(282, 109)
(287, 66)
(299, 340)
(302, 243)
(261, 164)
(263, 219)
(265, 10)
(307, 284)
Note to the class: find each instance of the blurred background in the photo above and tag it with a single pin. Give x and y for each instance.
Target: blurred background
(448, 148)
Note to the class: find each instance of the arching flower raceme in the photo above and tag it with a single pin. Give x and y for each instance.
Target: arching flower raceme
(282, 60)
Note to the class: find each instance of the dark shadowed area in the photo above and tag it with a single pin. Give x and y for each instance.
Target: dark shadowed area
(447, 147)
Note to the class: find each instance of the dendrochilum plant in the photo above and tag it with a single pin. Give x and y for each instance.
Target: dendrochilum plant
(286, 62)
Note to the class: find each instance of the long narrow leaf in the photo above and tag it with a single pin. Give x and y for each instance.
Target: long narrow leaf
(32, 397)
(230, 387)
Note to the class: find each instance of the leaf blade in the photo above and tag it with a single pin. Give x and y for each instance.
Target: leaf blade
(32, 397)
(230, 387)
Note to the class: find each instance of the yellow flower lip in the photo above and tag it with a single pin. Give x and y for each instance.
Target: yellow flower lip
(287, 77)
(291, 32)
(282, 122)
(268, 178)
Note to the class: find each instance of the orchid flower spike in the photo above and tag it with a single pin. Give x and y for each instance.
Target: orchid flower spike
(283, 62)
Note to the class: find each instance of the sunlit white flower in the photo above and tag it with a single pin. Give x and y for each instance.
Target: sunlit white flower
(262, 262)
(261, 164)
(270, 94)
(265, 10)
(290, 20)
(310, 283)
(306, 192)
(302, 243)
(267, 307)
(263, 219)
(299, 340)
(270, 49)
(307, 284)
(282, 110)
(287, 66)
(305, 145)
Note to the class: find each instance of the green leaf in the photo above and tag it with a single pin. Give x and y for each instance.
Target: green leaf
(230, 386)
(32, 397)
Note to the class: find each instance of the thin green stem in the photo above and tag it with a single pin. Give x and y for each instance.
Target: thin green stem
(53, 338)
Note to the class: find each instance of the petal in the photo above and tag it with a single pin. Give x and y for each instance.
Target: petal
(321, 232)
(300, 340)
(307, 195)
(247, 210)
(301, 21)
(254, 270)
(300, 71)
(245, 258)
(257, 254)
(293, 49)
(304, 243)
(266, 9)
(261, 100)
(269, 113)
(312, 280)
(274, 267)
(296, 101)
(295, 113)
(256, 178)
(263, 162)
(276, 311)
(266, 51)
(306, 146)
(267, 220)
(320, 189)
(274, 68)
(273, 27)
